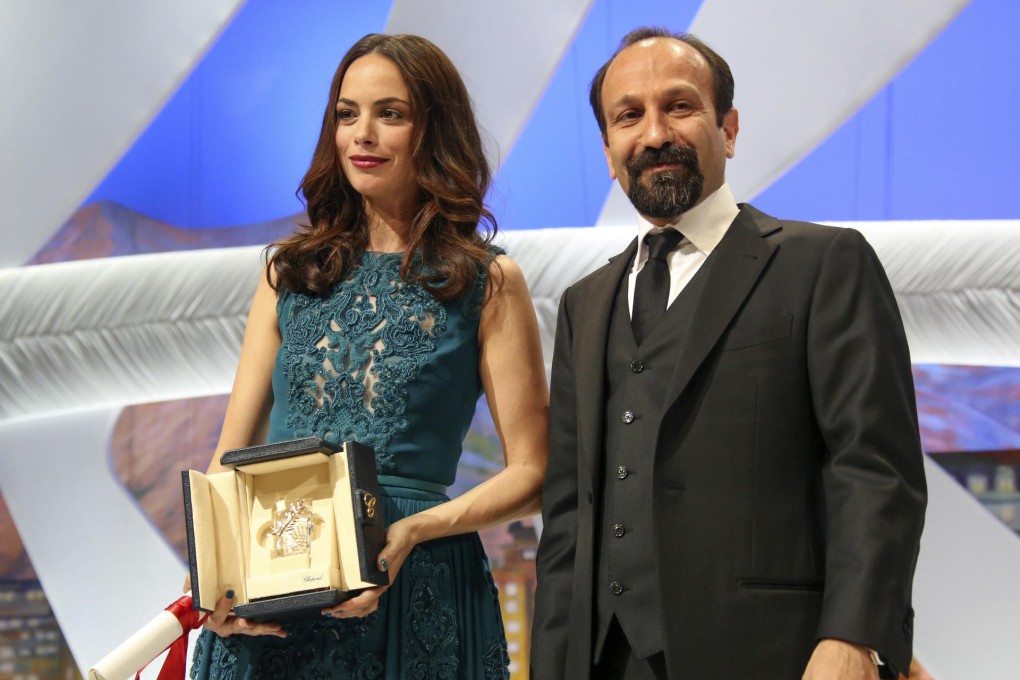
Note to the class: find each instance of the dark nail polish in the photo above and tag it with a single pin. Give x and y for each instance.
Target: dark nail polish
(230, 594)
(385, 564)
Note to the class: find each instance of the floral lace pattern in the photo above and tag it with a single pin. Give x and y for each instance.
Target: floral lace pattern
(432, 625)
(222, 662)
(324, 649)
(348, 358)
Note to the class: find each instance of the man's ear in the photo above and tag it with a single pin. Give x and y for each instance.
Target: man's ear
(730, 128)
(609, 159)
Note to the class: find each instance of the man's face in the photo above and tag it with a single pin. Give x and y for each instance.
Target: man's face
(663, 142)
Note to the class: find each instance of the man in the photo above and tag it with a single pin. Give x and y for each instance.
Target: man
(735, 484)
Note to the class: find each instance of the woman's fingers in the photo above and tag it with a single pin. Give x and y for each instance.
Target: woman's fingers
(219, 615)
(222, 622)
(246, 627)
(363, 604)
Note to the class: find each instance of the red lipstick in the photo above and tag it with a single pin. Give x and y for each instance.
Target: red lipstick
(366, 162)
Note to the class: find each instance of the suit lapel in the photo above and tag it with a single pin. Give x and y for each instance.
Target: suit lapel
(591, 337)
(737, 263)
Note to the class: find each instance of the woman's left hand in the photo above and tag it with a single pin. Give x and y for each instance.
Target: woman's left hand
(399, 543)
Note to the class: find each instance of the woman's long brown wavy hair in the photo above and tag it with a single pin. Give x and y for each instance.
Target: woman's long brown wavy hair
(446, 251)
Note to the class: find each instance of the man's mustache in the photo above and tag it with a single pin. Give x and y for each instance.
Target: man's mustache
(670, 154)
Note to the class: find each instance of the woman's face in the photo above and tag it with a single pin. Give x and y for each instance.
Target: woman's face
(374, 134)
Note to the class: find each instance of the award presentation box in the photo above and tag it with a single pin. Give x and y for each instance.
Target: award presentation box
(295, 527)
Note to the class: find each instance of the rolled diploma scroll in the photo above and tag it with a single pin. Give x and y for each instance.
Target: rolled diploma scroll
(138, 650)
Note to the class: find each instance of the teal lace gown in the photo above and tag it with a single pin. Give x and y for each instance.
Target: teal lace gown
(388, 365)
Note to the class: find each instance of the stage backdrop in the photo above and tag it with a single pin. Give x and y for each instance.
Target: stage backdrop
(143, 130)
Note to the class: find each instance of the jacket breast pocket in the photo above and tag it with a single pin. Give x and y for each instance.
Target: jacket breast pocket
(793, 585)
(755, 334)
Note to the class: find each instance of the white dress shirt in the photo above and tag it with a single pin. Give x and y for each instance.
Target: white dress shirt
(703, 227)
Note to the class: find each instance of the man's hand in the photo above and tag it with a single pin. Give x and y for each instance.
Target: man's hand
(838, 660)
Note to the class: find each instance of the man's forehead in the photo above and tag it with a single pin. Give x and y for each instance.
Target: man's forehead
(662, 42)
(659, 57)
(663, 50)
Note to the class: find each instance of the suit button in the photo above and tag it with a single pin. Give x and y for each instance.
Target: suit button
(628, 417)
(636, 366)
(616, 588)
(622, 472)
(618, 530)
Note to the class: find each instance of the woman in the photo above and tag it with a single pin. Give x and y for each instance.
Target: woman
(381, 321)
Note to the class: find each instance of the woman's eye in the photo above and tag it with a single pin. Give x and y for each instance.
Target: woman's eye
(344, 115)
(391, 114)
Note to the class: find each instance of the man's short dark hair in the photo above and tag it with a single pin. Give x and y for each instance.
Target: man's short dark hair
(722, 77)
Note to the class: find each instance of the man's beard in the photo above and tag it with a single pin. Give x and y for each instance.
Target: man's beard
(669, 193)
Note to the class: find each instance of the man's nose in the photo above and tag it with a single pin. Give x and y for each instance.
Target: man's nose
(656, 131)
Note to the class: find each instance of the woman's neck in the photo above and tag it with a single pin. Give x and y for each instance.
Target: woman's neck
(388, 231)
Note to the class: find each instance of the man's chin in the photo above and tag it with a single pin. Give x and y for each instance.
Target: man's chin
(652, 175)
(653, 180)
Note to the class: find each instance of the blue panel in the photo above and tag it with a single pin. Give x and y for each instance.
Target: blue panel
(939, 143)
(232, 144)
(956, 142)
(556, 174)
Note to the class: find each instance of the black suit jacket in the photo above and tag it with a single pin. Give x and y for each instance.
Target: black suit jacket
(788, 488)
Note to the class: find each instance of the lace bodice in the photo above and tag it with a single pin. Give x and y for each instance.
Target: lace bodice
(381, 362)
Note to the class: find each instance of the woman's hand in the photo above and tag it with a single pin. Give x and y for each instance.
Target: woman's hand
(225, 623)
(399, 542)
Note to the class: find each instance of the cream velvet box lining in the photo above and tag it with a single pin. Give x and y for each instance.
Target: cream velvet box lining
(293, 528)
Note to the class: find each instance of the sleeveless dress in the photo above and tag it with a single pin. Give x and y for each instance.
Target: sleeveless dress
(384, 363)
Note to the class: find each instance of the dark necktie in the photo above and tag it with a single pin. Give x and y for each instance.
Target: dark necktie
(651, 292)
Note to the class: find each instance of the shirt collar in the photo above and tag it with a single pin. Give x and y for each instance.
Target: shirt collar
(704, 225)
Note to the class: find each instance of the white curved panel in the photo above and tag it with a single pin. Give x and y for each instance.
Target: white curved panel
(507, 52)
(122, 330)
(958, 287)
(105, 569)
(802, 69)
(81, 81)
(965, 593)
(155, 327)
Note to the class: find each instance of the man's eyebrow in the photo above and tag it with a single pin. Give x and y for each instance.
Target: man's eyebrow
(625, 100)
(676, 90)
(682, 89)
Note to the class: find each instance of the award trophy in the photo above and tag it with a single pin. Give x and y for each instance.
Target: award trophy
(292, 529)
